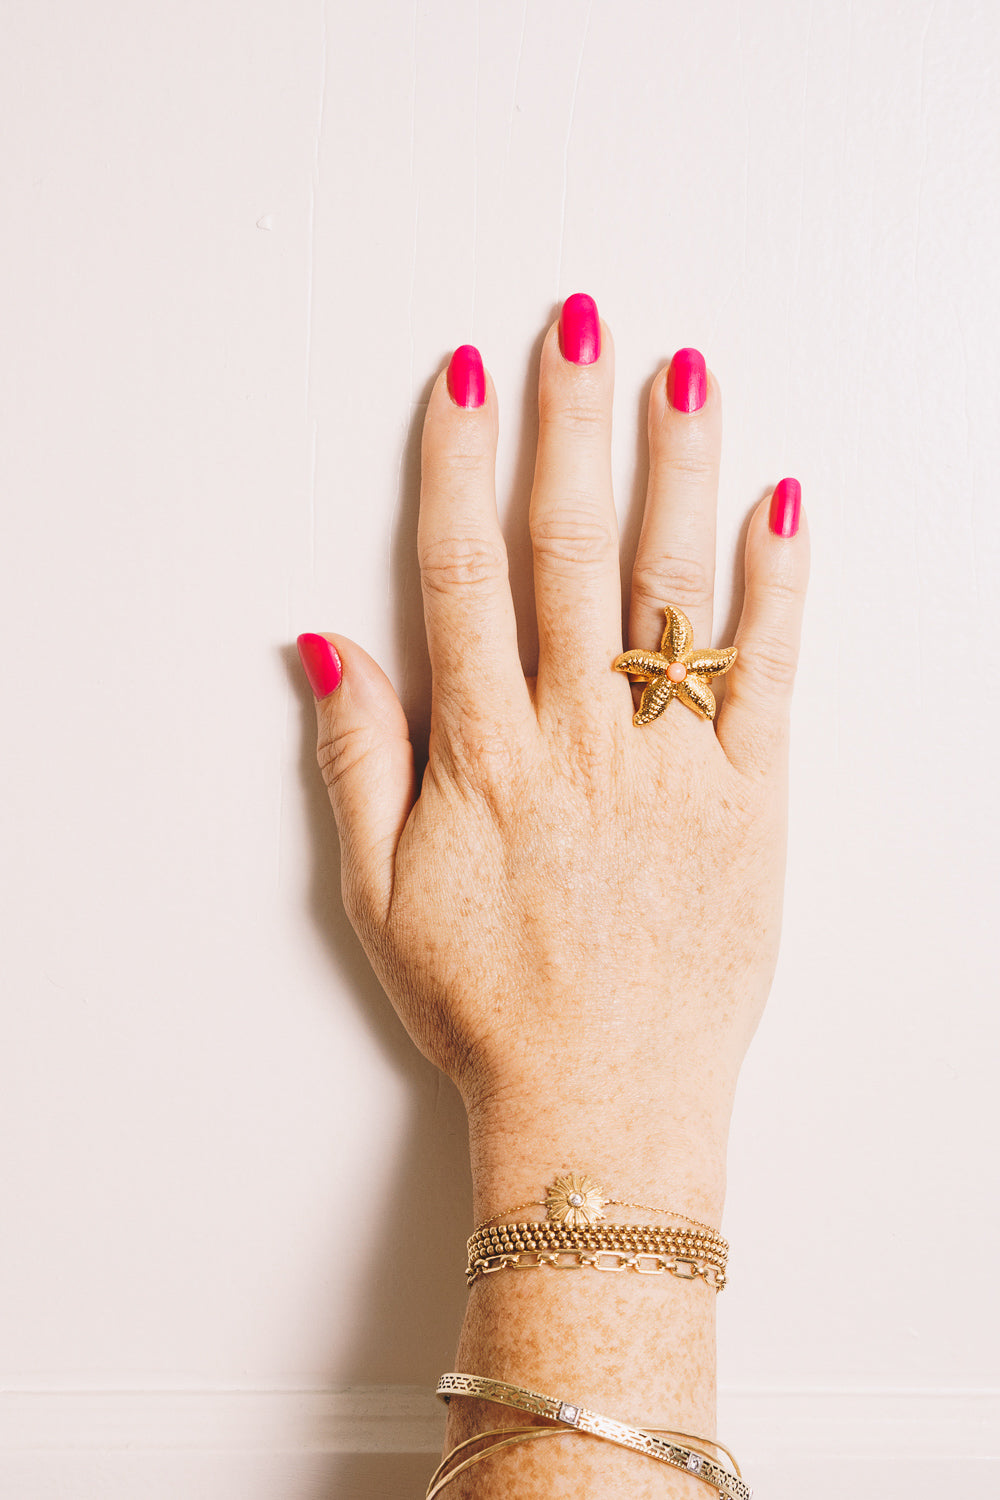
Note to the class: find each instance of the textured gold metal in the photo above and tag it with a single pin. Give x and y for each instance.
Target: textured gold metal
(648, 1249)
(541, 1233)
(574, 1200)
(671, 1213)
(654, 1442)
(512, 1438)
(644, 1263)
(556, 1193)
(652, 667)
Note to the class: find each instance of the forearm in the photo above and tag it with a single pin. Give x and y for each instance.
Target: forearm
(575, 909)
(637, 1347)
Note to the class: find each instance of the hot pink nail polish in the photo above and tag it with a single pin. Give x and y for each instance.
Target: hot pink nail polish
(321, 664)
(466, 377)
(580, 330)
(786, 502)
(687, 381)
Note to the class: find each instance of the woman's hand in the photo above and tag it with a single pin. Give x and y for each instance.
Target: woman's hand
(577, 918)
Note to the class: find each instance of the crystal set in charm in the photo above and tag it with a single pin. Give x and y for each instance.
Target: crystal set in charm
(574, 1200)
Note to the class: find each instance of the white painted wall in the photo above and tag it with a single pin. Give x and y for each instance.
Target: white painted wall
(239, 240)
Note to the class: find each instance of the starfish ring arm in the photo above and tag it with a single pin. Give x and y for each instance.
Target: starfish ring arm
(678, 635)
(677, 670)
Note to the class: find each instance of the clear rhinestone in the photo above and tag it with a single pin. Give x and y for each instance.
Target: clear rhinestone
(694, 1463)
(576, 1199)
(567, 1413)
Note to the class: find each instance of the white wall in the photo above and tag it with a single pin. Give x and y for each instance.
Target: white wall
(239, 241)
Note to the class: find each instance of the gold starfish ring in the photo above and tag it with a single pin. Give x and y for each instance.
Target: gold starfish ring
(675, 671)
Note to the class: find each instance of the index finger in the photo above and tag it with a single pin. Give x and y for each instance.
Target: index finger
(477, 682)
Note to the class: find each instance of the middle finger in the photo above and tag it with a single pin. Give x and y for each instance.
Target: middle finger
(675, 558)
(574, 529)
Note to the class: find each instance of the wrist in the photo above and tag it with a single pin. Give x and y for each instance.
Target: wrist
(653, 1163)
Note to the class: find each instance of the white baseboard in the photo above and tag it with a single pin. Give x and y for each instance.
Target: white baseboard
(379, 1443)
(408, 1419)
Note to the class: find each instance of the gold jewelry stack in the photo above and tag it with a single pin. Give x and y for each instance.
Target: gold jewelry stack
(572, 1236)
(655, 1443)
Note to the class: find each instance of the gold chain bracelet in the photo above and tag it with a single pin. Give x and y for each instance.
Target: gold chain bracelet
(648, 1249)
(575, 1199)
(644, 1264)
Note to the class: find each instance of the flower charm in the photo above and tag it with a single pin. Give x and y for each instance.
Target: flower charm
(574, 1200)
(675, 671)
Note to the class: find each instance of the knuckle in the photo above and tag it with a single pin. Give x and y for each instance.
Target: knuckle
(480, 760)
(357, 903)
(786, 593)
(686, 582)
(484, 754)
(456, 564)
(340, 751)
(689, 463)
(451, 461)
(761, 737)
(573, 541)
(772, 660)
(577, 416)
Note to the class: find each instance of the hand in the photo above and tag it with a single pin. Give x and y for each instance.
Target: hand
(577, 919)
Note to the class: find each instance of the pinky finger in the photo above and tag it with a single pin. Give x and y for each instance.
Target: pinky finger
(753, 720)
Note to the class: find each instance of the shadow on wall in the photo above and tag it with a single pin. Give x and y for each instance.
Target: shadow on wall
(403, 1327)
(377, 1476)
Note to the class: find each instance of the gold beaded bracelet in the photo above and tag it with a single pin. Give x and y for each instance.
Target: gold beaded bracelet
(540, 1235)
(648, 1249)
(573, 1236)
(653, 1442)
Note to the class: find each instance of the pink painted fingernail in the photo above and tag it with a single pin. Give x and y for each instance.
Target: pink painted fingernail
(786, 502)
(321, 664)
(466, 377)
(687, 381)
(580, 330)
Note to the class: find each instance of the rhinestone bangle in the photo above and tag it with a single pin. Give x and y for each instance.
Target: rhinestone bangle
(727, 1483)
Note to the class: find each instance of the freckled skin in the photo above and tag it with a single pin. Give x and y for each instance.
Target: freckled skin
(577, 919)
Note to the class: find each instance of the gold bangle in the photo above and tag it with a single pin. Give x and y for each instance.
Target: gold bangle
(653, 1442)
(576, 1199)
(513, 1437)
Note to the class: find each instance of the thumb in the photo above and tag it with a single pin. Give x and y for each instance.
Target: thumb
(365, 755)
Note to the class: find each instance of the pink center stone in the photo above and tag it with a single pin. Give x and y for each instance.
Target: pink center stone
(677, 671)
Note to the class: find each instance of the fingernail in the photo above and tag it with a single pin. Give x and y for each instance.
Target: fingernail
(786, 502)
(687, 381)
(321, 664)
(466, 377)
(580, 330)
